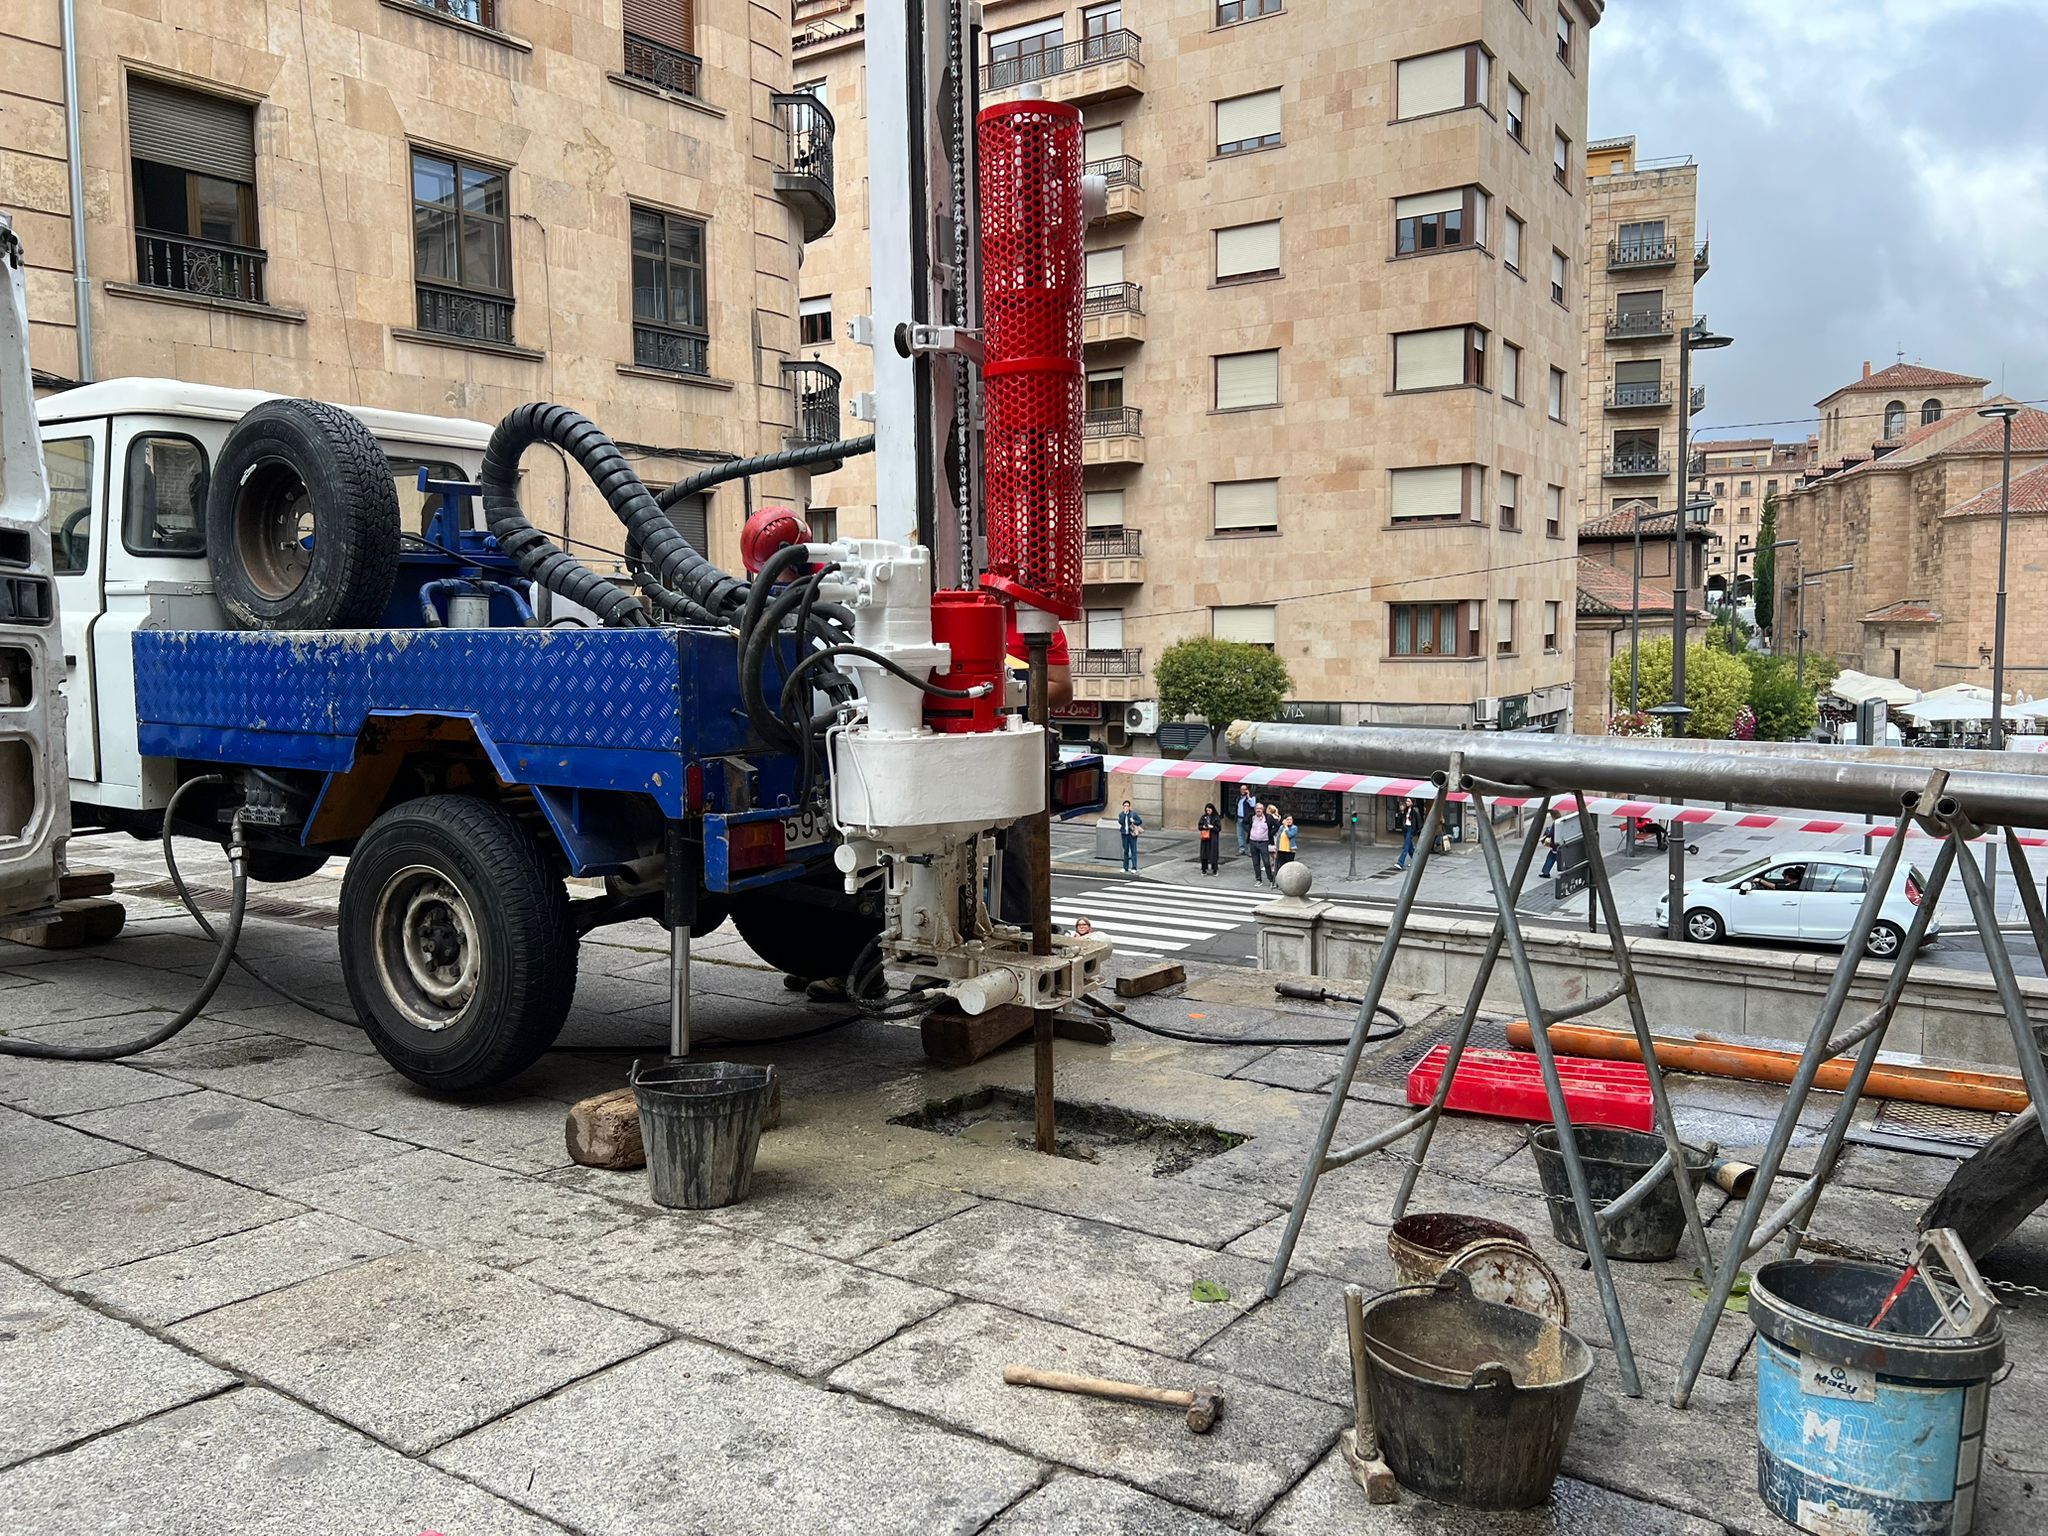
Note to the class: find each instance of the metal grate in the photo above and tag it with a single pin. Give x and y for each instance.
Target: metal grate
(1394, 1066)
(1939, 1121)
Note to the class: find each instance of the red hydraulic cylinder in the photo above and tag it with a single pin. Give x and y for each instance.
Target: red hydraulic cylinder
(976, 626)
(1032, 285)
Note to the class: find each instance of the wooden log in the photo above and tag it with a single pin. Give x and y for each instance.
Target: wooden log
(956, 1039)
(1153, 978)
(93, 920)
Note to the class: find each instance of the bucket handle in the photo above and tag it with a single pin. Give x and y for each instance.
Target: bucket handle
(1492, 1376)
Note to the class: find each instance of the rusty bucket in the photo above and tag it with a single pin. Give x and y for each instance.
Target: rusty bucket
(1494, 1256)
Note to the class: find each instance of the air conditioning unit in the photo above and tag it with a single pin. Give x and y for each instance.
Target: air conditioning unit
(1142, 718)
(1485, 711)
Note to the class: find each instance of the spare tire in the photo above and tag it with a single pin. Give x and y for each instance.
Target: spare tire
(302, 521)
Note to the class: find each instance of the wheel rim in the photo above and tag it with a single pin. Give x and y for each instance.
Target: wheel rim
(1883, 941)
(1702, 927)
(428, 947)
(274, 530)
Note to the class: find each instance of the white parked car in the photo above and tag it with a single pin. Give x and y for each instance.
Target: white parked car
(1811, 898)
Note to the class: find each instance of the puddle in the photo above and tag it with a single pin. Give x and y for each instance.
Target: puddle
(1088, 1133)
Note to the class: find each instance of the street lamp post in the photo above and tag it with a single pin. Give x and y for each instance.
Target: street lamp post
(2004, 413)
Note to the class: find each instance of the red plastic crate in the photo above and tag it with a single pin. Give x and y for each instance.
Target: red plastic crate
(1509, 1085)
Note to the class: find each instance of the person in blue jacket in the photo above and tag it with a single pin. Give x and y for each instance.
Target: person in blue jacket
(1129, 823)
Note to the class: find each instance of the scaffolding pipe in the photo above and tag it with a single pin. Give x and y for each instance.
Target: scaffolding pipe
(1873, 781)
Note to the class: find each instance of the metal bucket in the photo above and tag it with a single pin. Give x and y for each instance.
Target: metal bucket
(1496, 1258)
(701, 1124)
(1877, 1432)
(1473, 1401)
(1614, 1159)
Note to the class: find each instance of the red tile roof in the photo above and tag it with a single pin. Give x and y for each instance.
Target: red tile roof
(2029, 493)
(1605, 588)
(1905, 376)
(1621, 523)
(1904, 612)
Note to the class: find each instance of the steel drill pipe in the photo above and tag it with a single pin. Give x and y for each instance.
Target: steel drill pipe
(1872, 781)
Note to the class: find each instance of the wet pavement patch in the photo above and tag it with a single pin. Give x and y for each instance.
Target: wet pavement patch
(1088, 1133)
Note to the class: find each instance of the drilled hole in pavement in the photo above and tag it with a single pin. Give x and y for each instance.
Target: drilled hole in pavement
(1088, 1133)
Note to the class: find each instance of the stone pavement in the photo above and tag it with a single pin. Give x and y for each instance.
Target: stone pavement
(254, 1282)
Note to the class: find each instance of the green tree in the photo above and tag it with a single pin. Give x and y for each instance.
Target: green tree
(1784, 710)
(1218, 681)
(1716, 684)
(1764, 570)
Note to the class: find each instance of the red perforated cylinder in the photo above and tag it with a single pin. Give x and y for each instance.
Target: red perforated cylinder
(1033, 281)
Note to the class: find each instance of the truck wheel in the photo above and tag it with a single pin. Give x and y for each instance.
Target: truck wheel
(803, 938)
(302, 520)
(281, 866)
(456, 942)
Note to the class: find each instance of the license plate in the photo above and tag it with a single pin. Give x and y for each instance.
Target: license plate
(806, 829)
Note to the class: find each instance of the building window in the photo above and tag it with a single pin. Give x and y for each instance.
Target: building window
(1029, 52)
(1553, 622)
(484, 13)
(1504, 626)
(1561, 158)
(1230, 11)
(462, 250)
(1512, 252)
(1440, 221)
(1098, 24)
(1642, 241)
(1556, 396)
(1247, 626)
(1102, 143)
(1105, 512)
(1930, 412)
(1245, 506)
(1894, 419)
(1510, 502)
(661, 44)
(814, 322)
(1518, 112)
(1104, 629)
(1441, 359)
(1247, 251)
(163, 510)
(1432, 629)
(1105, 268)
(1553, 511)
(1106, 391)
(1566, 29)
(1442, 493)
(1748, 488)
(670, 312)
(1770, 487)
(194, 164)
(1443, 82)
(1511, 372)
(1247, 380)
(1560, 277)
(1246, 123)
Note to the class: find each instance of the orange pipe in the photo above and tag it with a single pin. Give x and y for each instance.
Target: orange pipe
(1953, 1088)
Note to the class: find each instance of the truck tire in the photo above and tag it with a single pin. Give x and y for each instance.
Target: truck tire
(302, 521)
(456, 942)
(803, 938)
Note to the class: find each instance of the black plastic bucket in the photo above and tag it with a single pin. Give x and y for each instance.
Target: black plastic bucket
(1614, 1159)
(701, 1124)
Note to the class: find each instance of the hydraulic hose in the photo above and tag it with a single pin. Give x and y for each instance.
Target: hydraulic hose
(223, 956)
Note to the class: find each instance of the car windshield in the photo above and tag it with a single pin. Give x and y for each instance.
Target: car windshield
(1740, 872)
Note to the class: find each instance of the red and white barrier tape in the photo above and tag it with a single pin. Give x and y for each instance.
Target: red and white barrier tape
(1423, 789)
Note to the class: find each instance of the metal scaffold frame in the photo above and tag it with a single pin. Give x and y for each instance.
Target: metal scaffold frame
(1951, 796)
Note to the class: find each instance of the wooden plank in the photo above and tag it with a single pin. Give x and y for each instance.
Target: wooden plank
(94, 920)
(1153, 978)
(956, 1039)
(77, 884)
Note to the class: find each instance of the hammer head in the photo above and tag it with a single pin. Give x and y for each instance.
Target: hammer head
(1205, 1409)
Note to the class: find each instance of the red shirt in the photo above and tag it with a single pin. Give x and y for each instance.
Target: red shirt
(1018, 657)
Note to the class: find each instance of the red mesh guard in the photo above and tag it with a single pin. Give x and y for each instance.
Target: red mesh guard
(1032, 283)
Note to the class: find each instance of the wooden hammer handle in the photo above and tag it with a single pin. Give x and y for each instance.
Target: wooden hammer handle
(1095, 1386)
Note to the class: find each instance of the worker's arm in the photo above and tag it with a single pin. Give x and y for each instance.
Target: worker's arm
(1059, 686)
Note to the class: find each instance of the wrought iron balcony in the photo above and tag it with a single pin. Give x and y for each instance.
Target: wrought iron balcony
(1114, 299)
(471, 316)
(671, 350)
(1113, 544)
(203, 268)
(1124, 176)
(814, 395)
(1639, 324)
(804, 174)
(1699, 261)
(1640, 397)
(1127, 662)
(1115, 58)
(1625, 254)
(664, 68)
(1120, 421)
(1699, 399)
(1628, 465)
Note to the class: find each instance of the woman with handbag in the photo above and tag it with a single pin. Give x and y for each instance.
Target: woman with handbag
(1210, 826)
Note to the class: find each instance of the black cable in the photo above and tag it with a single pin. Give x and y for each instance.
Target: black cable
(910, 1006)
(765, 464)
(1192, 1038)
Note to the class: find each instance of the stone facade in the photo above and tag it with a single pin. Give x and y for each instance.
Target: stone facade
(339, 96)
(1337, 560)
(1741, 475)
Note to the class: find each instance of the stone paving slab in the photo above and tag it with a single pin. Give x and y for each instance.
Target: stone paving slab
(1070, 1506)
(278, 1017)
(98, 1019)
(1117, 1283)
(71, 1372)
(1296, 1341)
(262, 1066)
(252, 1463)
(951, 1369)
(457, 1207)
(72, 1087)
(517, 1132)
(33, 1149)
(695, 1440)
(92, 1221)
(174, 1286)
(416, 1348)
(238, 1138)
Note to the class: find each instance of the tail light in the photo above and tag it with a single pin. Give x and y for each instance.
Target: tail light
(1913, 886)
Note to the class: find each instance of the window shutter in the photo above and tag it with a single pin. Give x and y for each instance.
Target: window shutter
(815, 306)
(1248, 248)
(1049, 29)
(1433, 83)
(1104, 143)
(1504, 622)
(1247, 379)
(1248, 117)
(670, 22)
(1429, 359)
(692, 517)
(1105, 629)
(1436, 491)
(1242, 504)
(1451, 201)
(199, 133)
(1105, 267)
(1254, 626)
(1513, 253)
(1649, 371)
(1105, 509)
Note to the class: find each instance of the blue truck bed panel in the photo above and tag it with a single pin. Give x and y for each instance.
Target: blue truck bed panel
(620, 709)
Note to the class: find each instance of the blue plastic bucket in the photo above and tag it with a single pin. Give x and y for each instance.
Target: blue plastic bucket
(1861, 1432)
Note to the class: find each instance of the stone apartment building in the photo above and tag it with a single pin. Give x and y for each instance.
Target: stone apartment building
(1333, 338)
(1741, 475)
(448, 206)
(1616, 601)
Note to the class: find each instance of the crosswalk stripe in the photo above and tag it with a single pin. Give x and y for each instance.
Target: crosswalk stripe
(1185, 896)
(1143, 938)
(1139, 922)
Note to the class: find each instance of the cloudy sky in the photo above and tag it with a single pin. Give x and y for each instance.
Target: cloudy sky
(1873, 175)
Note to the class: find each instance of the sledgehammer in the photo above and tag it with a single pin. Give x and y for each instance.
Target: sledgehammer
(1204, 1404)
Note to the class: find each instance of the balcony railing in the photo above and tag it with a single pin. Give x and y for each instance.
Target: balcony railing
(1128, 662)
(1623, 254)
(1699, 261)
(1122, 421)
(482, 13)
(471, 316)
(1699, 399)
(1114, 299)
(804, 173)
(205, 268)
(1639, 397)
(664, 68)
(1113, 544)
(814, 391)
(1632, 324)
(1023, 68)
(1623, 465)
(671, 350)
(1117, 170)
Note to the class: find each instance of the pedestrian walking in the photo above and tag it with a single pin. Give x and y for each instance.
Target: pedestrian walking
(1286, 846)
(1409, 819)
(1210, 825)
(1549, 847)
(1246, 805)
(1259, 839)
(1129, 824)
